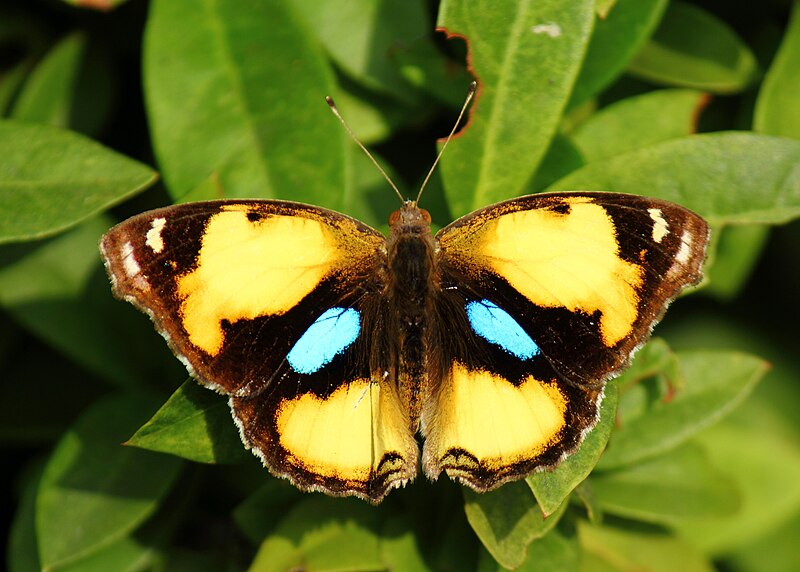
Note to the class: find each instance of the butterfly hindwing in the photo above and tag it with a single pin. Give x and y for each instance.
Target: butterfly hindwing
(273, 303)
(330, 419)
(500, 410)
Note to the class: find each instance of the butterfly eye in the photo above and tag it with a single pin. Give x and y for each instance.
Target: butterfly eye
(426, 215)
(394, 218)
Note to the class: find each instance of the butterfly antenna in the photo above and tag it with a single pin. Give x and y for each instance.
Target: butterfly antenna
(472, 87)
(332, 105)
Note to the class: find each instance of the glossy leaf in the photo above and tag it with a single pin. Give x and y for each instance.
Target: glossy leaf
(672, 488)
(553, 487)
(225, 97)
(715, 383)
(654, 358)
(525, 63)
(737, 253)
(195, 423)
(729, 177)
(603, 7)
(635, 122)
(94, 491)
(47, 96)
(259, 514)
(53, 179)
(507, 520)
(776, 552)
(27, 420)
(323, 533)
(554, 552)
(124, 555)
(777, 112)
(762, 456)
(400, 547)
(22, 551)
(561, 158)
(610, 549)
(692, 48)
(52, 286)
(615, 40)
(362, 37)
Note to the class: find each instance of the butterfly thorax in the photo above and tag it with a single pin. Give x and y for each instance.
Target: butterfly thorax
(412, 280)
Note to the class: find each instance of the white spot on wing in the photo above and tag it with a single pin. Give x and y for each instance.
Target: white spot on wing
(154, 239)
(660, 226)
(685, 250)
(550, 29)
(129, 262)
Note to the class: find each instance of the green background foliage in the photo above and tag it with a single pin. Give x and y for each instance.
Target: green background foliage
(115, 461)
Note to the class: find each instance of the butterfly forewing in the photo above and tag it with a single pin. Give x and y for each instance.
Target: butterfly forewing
(588, 273)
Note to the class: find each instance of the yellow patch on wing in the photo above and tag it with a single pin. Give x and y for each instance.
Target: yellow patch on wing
(562, 260)
(494, 420)
(347, 435)
(247, 269)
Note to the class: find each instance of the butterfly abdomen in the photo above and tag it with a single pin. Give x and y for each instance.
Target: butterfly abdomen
(412, 281)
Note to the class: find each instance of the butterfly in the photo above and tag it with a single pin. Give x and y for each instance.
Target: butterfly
(337, 346)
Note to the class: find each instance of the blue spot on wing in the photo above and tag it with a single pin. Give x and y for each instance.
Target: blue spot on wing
(495, 325)
(333, 332)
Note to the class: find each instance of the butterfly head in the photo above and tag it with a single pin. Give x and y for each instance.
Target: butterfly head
(410, 219)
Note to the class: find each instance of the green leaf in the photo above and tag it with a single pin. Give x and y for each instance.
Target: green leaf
(610, 549)
(507, 520)
(553, 487)
(361, 36)
(692, 48)
(635, 122)
(526, 57)
(125, 555)
(48, 94)
(258, 514)
(561, 158)
(225, 97)
(421, 64)
(777, 552)
(53, 179)
(761, 454)
(400, 547)
(554, 552)
(322, 533)
(51, 287)
(678, 486)
(615, 40)
(22, 553)
(27, 420)
(10, 82)
(604, 7)
(737, 253)
(777, 112)
(94, 491)
(655, 357)
(715, 383)
(653, 377)
(195, 423)
(729, 177)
